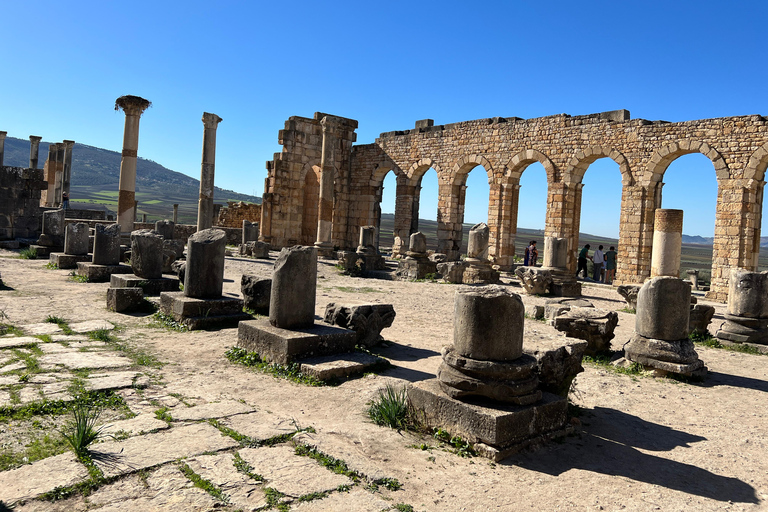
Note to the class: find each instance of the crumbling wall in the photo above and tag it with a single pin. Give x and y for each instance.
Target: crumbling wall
(20, 215)
(233, 215)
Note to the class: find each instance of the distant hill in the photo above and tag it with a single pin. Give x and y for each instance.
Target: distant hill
(96, 175)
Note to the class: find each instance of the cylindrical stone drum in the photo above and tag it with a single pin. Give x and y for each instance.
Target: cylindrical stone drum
(667, 243)
(663, 309)
(294, 284)
(204, 276)
(746, 293)
(555, 252)
(488, 323)
(477, 246)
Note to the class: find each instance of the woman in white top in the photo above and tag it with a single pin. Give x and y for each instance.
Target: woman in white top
(597, 261)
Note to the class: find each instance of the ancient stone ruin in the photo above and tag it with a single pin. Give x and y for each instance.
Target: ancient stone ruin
(487, 390)
(746, 320)
(106, 255)
(75, 246)
(479, 269)
(416, 265)
(661, 342)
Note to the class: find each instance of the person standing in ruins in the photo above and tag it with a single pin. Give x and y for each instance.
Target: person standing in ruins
(583, 256)
(597, 262)
(65, 200)
(610, 265)
(532, 254)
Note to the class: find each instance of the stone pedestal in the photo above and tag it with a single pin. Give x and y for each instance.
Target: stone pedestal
(594, 325)
(452, 271)
(479, 270)
(165, 228)
(416, 265)
(67, 261)
(53, 229)
(667, 243)
(564, 283)
(367, 252)
(661, 340)
(204, 276)
(294, 283)
(693, 276)
(629, 292)
(256, 293)
(147, 254)
(207, 313)
(700, 318)
(106, 255)
(746, 320)
(96, 273)
(250, 231)
(76, 238)
(122, 300)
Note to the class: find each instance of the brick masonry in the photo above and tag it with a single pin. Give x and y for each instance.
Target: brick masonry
(233, 215)
(565, 145)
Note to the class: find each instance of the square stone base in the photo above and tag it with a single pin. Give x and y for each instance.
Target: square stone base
(66, 261)
(565, 289)
(202, 313)
(496, 430)
(124, 299)
(282, 346)
(100, 273)
(480, 275)
(415, 268)
(43, 251)
(148, 286)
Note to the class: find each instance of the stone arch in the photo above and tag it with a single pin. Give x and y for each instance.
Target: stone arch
(758, 162)
(382, 169)
(582, 159)
(464, 166)
(418, 169)
(664, 156)
(518, 163)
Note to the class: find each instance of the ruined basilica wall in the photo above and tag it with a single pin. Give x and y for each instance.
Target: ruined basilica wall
(233, 215)
(566, 146)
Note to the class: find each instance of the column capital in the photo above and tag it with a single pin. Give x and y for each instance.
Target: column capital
(68, 143)
(35, 138)
(211, 120)
(132, 105)
(3, 134)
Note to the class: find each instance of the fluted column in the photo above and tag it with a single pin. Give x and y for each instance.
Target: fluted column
(133, 106)
(59, 184)
(68, 145)
(205, 204)
(49, 174)
(34, 150)
(325, 203)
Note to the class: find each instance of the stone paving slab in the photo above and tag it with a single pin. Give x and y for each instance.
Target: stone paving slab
(121, 457)
(41, 328)
(9, 380)
(357, 499)
(260, 426)
(91, 325)
(351, 451)
(291, 474)
(244, 492)
(165, 489)
(20, 365)
(143, 423)
(69, 337)
(18, 341)
(210, 410)
(116, 380)
(32, 480)
(53, 348)
(78, 360)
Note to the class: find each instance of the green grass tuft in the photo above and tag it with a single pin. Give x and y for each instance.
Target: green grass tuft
(81, 431)
(390, 408)
(710, 341)
(290, 371)
(160, 319)
(28, 254)
(202, 483)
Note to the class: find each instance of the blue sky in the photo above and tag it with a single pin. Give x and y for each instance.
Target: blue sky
(385, 64)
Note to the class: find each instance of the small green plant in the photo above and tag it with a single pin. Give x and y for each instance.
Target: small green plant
(403, 507)
(51, 266)
(430, 276)
(28, 253)
(290, 371)
(81, 431)
(101, 335)
(163, 415)
(162, 320)
(204, 484)
(708, 340)
(461, 447)
(604, 361)
(628, 309)
(390, 408)
(74, 276)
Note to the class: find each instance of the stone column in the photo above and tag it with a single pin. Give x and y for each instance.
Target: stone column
(205, 204)
(49, 173)
(175, 213)
(133, 106)
(144, 218)
(555, 252)
(667, 243)
(325, 203)
(204, 276)
(250, 231)
(34, 150)
(2, 146)
(294, 283)
(68, 145)
(215, 216)
(59, 186)
(265, 226)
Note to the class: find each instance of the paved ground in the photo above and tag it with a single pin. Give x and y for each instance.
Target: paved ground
(184, 415)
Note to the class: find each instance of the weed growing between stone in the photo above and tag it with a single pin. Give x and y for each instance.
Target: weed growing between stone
(28, 254)
(101, 399)
(160, 319)
(74, 276)
(604, 361)
(290, 371)
(249, 442)
(39, 448)
(273, 497)
(202, 483)
(163, 415)
(710, 341)
(81, 431)
(243, 467)
(390, 408)
(460, 447)
(51, 266)
(627, 309)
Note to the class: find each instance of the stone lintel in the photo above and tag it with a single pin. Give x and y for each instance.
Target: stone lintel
(503, 428)
(100, 273)
(65, 261)
(149, 286)
(284, 346)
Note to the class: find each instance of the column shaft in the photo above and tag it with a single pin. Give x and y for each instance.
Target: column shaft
(2, 146)
(325, 203)
(34, 151)
(68, 145)
(207, 171)
(133, 106)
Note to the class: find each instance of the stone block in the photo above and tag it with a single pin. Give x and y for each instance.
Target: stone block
(366, 320)
(165, 228)
(204, 276)
(629, 292)
(106, 244)
(558, 360)
(503, 429)
(294, 283)
(338, 366)
(452, 271)
(663, 309)
(100, 273)
(76, 239)
(594, 325)
(67, 261)
(124, 299)
(285, 346)
(150, 287)
(535, 281)
(147, 254)
(202, 313)
(700, 317)
(488, 323)
(256, 293)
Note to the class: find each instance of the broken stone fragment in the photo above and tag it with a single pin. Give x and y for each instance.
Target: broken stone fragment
(366, 320)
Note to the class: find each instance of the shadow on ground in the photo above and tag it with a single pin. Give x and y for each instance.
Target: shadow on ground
(610, 444)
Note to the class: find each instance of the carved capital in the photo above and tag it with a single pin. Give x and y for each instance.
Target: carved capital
(35, 139)
(211, 121)
(69, 143)
(132, 105)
